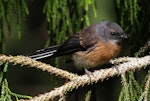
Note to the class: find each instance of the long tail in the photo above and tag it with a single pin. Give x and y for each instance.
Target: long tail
(43, 53)
(68, 47)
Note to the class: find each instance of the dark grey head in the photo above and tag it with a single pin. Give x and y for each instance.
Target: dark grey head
(111, 32)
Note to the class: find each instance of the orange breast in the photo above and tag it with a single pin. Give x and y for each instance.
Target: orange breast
(100, 54)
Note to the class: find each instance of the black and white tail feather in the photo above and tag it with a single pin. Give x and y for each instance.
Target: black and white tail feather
(43, 53)
(72, 45)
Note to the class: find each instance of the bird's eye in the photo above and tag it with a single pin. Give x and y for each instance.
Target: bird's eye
(112, 33)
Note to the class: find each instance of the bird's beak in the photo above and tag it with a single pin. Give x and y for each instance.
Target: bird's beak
(124, 36)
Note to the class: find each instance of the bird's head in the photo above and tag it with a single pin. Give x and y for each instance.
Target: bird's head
(111, 32)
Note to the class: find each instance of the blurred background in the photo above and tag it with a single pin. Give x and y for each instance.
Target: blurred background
(29, 25)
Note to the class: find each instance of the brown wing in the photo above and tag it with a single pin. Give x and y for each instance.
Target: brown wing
(89, 36)
(79, 42)
(69, 46)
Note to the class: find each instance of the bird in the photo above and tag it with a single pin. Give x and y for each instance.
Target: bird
(93, 46)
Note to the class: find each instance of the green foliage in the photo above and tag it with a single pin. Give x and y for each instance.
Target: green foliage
(6, 94)
(88, 95)
(11, 11)
(131, 90)
(66, 17)
(133, 15)
(11, 8)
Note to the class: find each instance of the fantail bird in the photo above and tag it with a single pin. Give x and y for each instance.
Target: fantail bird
(93, 46)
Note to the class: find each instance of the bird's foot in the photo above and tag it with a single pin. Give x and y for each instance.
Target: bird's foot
(88, 73)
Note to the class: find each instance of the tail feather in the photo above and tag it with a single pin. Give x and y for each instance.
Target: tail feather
(70, 46)
(43, 53)
(51, 48)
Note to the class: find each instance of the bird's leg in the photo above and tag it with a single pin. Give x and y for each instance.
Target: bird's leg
(88, 73)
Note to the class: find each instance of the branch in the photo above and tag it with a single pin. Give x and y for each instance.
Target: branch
(146, 89)
(98, 75)
(144, 95)
(26, 61)
(130, 65)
